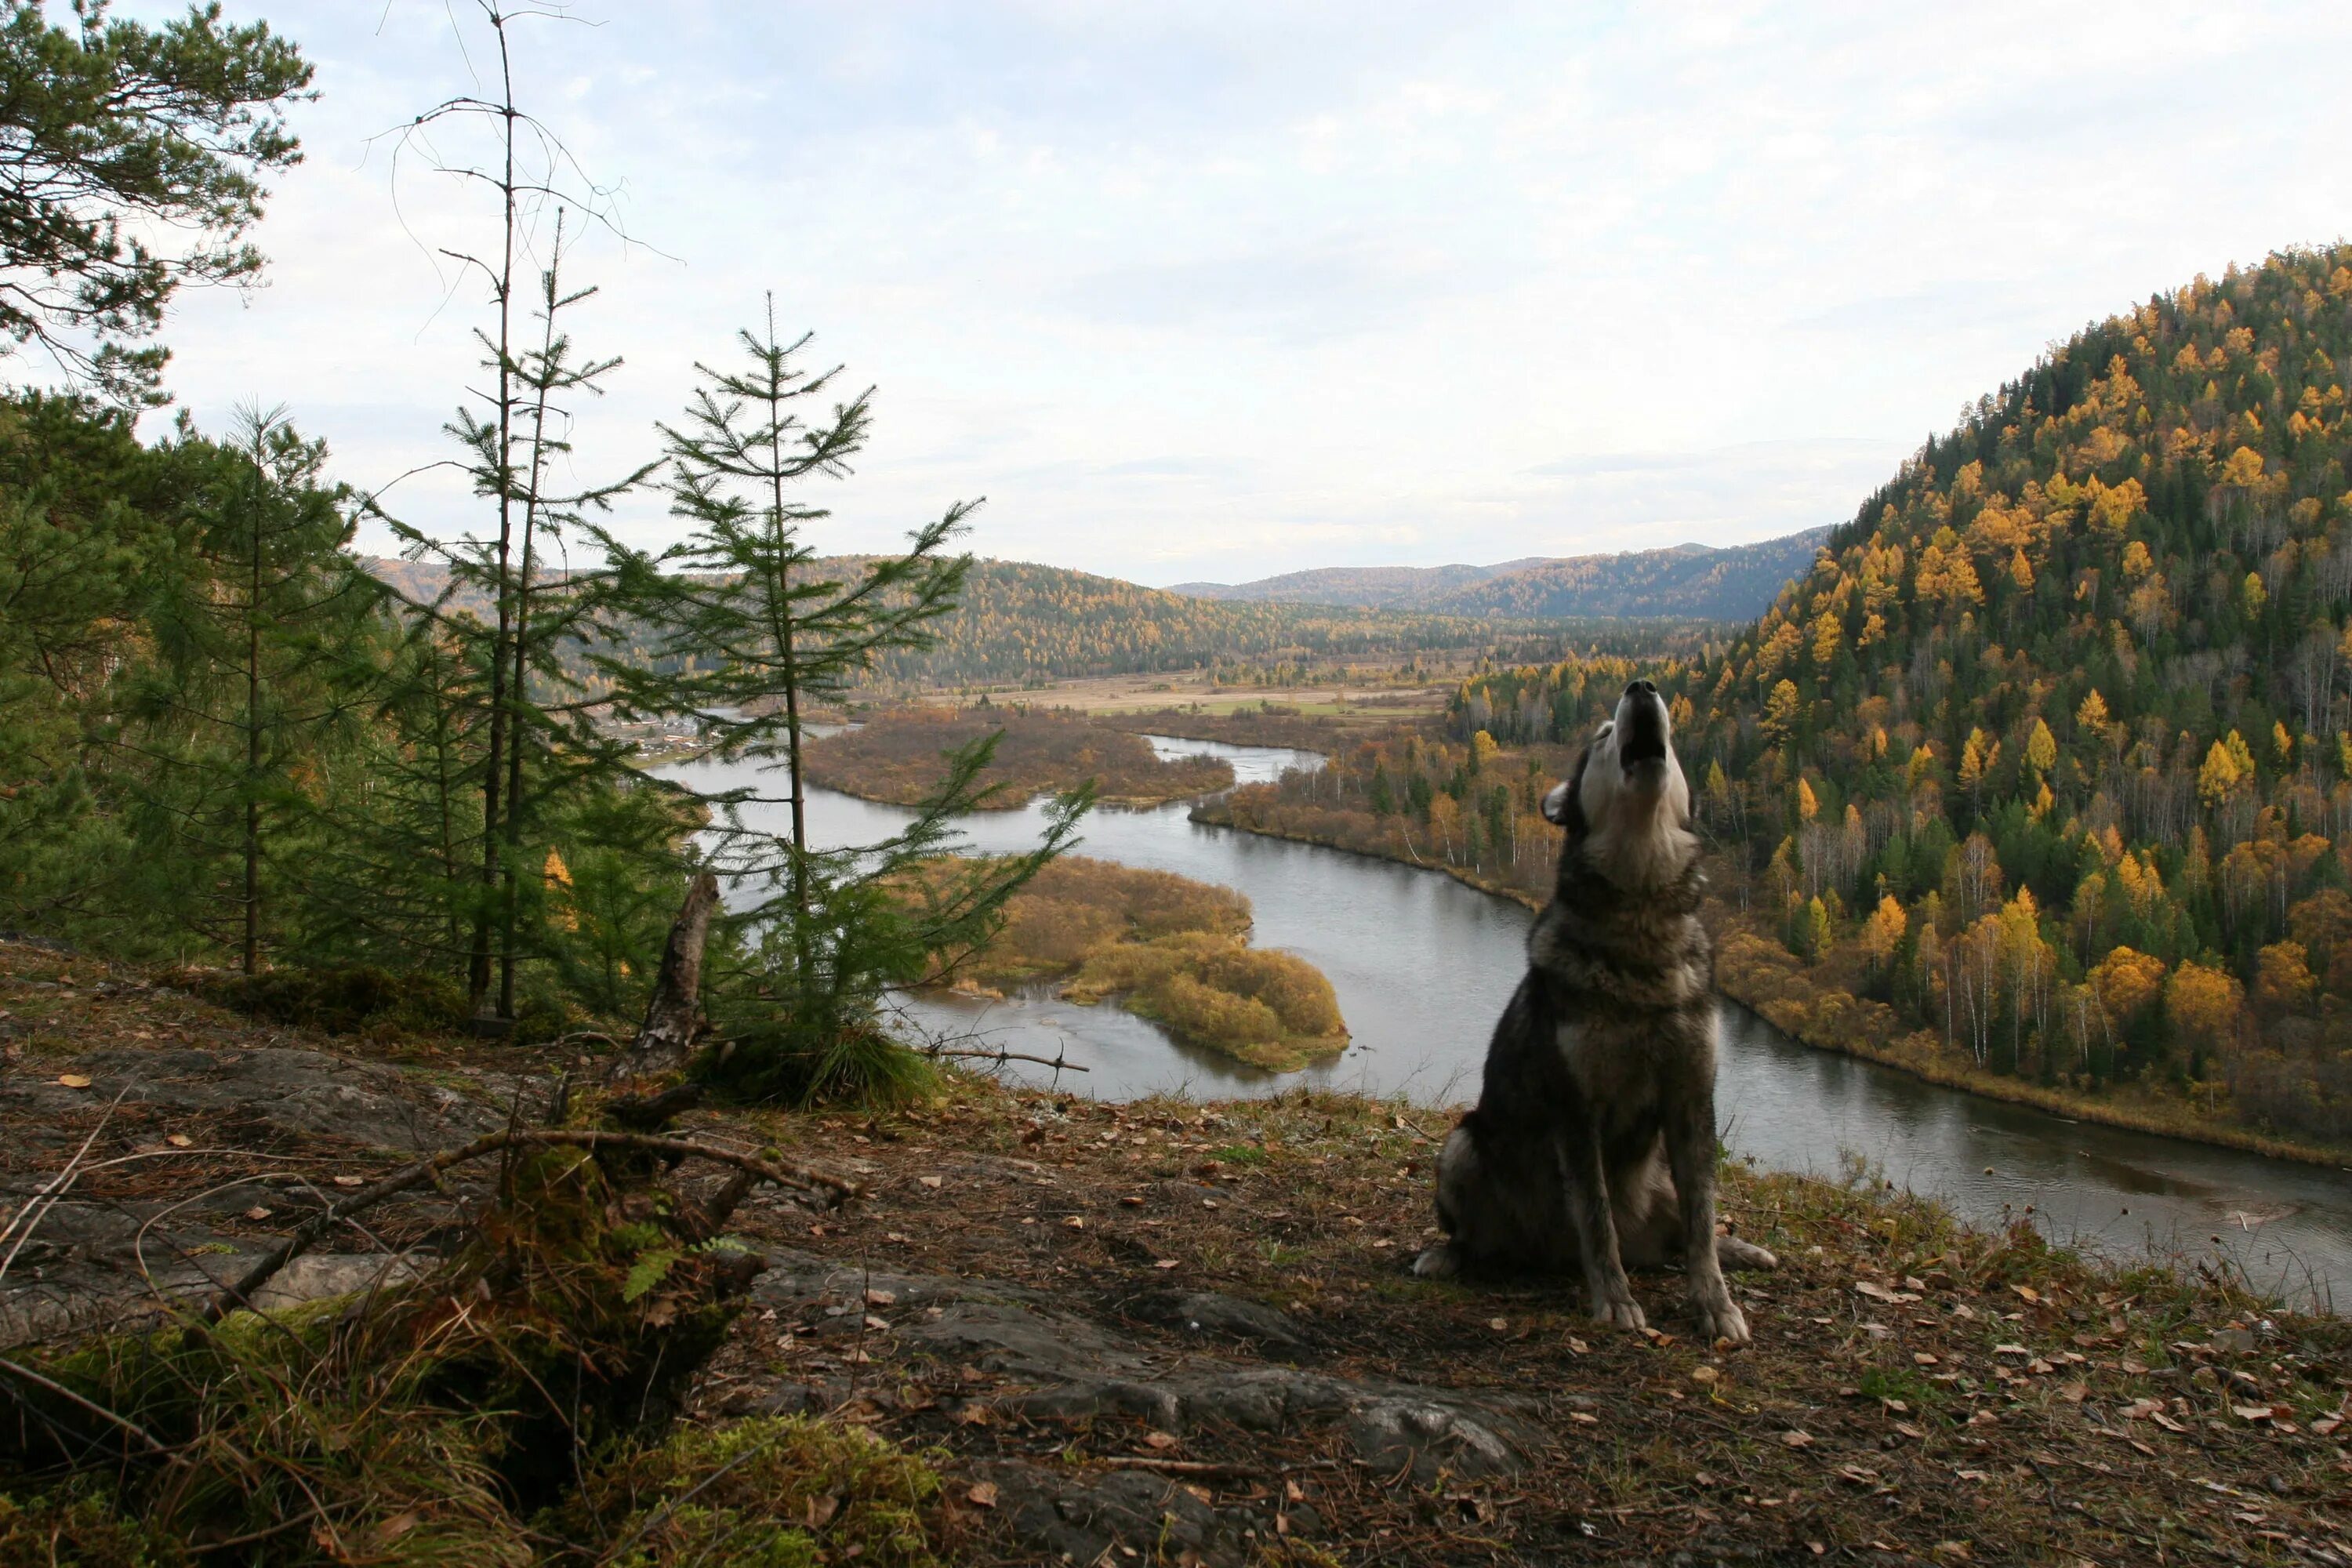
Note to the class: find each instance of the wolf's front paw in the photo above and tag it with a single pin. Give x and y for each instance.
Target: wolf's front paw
(1439, 1262)
(1613, 1302)
(1719, 1319)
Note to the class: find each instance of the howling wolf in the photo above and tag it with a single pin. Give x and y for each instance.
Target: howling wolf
(1593, 1144)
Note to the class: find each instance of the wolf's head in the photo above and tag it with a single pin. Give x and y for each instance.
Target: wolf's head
(1626, 805)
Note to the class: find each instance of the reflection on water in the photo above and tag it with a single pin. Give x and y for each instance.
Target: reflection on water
(1421, 966)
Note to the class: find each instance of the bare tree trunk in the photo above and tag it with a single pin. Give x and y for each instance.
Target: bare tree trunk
(477, 977)
(252, 955)
(674, 1018)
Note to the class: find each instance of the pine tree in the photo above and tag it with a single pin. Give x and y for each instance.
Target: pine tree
(244, 695)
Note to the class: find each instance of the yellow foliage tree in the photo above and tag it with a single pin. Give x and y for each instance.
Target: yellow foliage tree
(2040, 748)
(1780, 711)
(1829, 633)
(2219, 776)
(2092, 716)
(2282, 978)
(2204, 1006)
(2126, 982)
(1883, 934)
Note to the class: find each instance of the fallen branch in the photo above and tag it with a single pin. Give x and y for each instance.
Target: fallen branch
(424, 1171)
(1056, 1062)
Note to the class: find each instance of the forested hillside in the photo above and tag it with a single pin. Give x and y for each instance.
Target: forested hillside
(1687, 580)
(1018, 621)
(1365, 587)
(1684, 579)
(2044, 768)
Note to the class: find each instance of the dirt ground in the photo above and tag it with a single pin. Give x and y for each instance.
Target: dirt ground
(1180, 1333)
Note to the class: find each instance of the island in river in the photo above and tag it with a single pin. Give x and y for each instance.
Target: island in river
(1169, 949)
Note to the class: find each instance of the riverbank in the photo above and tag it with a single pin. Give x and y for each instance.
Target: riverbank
(1188, 1333)
(1759, 975)
(1847, 1026)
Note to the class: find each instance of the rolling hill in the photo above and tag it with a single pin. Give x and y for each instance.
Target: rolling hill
(1683, 580)
(1020, 622)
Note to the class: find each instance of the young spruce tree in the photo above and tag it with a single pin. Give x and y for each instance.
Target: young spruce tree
(746, 630)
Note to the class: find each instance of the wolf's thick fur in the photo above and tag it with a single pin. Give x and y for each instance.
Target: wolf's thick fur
(1593, 1144)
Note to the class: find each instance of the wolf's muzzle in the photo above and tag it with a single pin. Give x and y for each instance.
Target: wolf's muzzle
(1641, 725)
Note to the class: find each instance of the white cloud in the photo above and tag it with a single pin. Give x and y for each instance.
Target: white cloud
(1229, 290)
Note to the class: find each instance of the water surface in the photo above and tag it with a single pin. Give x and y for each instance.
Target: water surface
(1423, 965)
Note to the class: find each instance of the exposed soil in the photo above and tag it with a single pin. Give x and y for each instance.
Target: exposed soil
(1175, 1333)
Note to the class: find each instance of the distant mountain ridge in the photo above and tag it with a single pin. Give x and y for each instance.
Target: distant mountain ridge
(1693, 580)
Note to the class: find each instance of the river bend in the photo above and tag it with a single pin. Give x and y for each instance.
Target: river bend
(1423, 965)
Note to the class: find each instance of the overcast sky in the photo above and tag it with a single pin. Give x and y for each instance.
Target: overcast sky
(1219, 290)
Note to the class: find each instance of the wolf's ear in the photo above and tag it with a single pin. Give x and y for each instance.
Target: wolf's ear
(1564, 806)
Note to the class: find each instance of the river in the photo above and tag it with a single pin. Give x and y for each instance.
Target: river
(1421, 966)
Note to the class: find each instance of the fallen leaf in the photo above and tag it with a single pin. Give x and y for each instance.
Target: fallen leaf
(1133, 1203)
(933, 1183)
(1910, 1431)
(2026, 1292)
(1703, 1374)
(2012, 1350)
(1499, 1324)
(256, 1212)
(1584, 1417)
(881, 1298)
(1873, 1290)
(982, 1494)
(970, 1415)
(1167, 1263)
(1074, 1222)
(73, 1081)
(180, 1141)
(1577, 1347)
(1973, 1475)
(2250, 1412)
(2326, 1425)
(2167, 1422)
(1923, 1358)
(1161, 1440)
(351, 1181)
(1795, 1438)
(2075, 1393)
